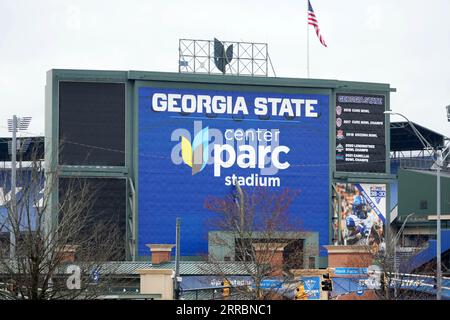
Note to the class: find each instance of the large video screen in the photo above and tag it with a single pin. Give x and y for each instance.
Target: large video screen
(195, 143)
(92, 123)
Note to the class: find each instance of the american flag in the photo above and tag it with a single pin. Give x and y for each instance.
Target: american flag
(312, 20)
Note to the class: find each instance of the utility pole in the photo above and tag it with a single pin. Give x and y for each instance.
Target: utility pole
(438, 229)
(176, 283)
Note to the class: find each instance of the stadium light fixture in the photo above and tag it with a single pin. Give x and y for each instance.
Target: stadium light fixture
(15, 124)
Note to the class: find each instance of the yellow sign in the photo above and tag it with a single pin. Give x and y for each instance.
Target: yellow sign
(300, 293)
(226, 291)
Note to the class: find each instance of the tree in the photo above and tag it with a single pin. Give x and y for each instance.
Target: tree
(54, 251)
(254, 228)
(389, 277)
(397, 282)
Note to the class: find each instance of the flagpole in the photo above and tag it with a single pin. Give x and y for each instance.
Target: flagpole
(307, 44)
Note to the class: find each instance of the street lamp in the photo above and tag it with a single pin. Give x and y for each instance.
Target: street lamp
(438, 164)
(421, 138)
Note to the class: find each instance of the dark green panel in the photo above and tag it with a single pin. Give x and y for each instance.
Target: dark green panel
(417, 193)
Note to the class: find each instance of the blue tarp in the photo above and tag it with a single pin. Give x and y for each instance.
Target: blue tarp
(343, 286)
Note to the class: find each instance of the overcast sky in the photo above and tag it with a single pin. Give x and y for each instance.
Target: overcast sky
(405, 43)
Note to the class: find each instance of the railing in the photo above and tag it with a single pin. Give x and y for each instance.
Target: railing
(418, 163)
(413, 163)
(421, 283)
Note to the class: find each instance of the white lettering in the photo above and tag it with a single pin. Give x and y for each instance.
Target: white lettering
(260, 106)
(309, 109)
(248, 153)
(218, 162)
(172, 103)
(276, 157)
(188, 103)
(159, 102)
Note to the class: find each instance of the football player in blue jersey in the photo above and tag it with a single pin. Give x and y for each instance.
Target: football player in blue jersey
(358, 224)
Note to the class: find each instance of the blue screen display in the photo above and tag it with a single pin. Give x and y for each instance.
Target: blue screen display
(195, 143)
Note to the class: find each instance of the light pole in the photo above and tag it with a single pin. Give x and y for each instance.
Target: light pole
(397, 236)
(438, 163)
(14, 125)
(176, 283)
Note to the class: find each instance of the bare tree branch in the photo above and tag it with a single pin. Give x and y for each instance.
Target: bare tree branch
(256, 241)
(48, 239)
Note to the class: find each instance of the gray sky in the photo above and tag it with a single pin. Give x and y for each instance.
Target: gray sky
(404, 42)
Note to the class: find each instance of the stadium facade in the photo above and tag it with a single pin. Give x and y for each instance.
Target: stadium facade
(158, 144)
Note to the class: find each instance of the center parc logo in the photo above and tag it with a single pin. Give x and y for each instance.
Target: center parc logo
(196, 155)
(247, 149)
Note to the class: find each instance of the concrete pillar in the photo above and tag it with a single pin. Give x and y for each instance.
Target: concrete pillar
(157, 281)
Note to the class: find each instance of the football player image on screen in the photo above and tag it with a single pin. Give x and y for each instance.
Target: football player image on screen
(362, 225)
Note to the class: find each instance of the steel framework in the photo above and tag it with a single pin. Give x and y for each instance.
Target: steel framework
(248, 58)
